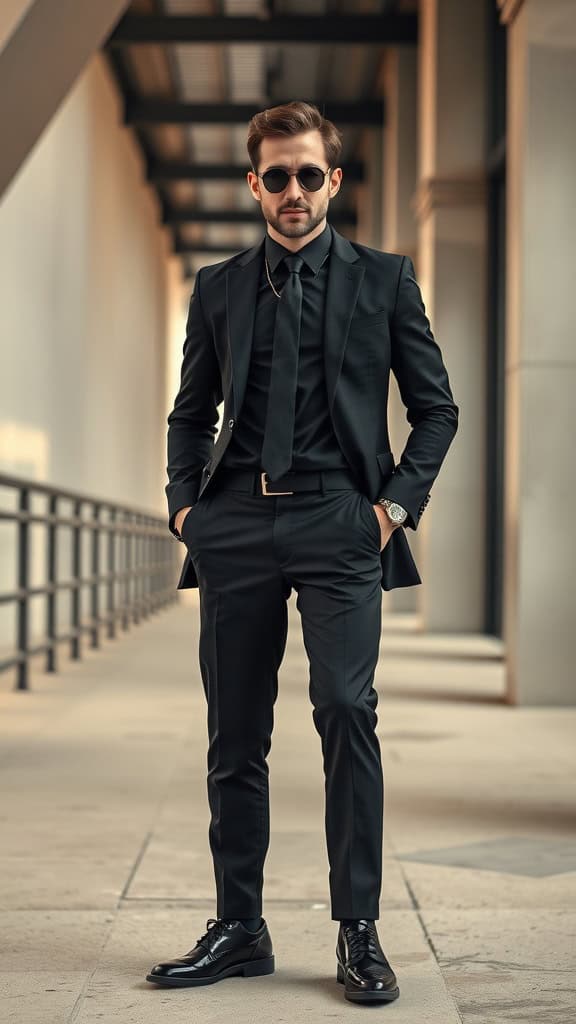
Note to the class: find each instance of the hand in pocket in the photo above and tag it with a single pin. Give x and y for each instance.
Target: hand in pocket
(180, 517)
(386, 527)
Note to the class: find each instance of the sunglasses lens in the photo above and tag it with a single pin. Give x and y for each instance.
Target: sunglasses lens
(311, 178)
(275, 180)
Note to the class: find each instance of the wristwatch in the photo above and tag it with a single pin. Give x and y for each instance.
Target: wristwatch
(395, 512)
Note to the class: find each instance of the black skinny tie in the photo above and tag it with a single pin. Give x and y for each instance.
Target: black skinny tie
(279, 430)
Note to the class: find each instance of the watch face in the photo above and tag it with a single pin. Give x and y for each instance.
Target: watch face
(396, 512)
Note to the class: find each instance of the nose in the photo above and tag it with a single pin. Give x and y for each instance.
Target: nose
(293, 190)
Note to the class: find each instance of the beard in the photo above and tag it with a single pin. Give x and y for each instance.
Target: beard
(299, 227)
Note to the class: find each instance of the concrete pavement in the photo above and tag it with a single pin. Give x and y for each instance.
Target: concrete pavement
(105, 867)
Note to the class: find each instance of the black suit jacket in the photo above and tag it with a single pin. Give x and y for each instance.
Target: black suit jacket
(375, 322)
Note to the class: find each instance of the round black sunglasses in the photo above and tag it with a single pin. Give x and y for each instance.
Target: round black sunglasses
(310, 177)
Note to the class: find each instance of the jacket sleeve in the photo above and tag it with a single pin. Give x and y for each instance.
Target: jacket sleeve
(193, 419)
(416, 362)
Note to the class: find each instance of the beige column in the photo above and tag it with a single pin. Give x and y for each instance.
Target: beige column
(43, 48)
(450, 208)
(400, 82)
(399, 234)
(540, 464)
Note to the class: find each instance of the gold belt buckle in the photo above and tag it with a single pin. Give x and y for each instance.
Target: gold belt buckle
(270, 494)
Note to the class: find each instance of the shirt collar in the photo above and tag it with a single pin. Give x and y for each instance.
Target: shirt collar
(313, 253)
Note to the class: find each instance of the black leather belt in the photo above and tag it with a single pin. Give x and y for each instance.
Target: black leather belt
(255, 481)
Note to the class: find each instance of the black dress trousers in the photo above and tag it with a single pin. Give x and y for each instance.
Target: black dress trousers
(248, 551)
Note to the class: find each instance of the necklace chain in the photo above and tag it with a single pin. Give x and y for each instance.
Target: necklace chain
(270, 279)
(278, 294)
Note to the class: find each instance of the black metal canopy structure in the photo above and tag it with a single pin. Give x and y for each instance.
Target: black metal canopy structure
(326, 28)
(193, 72)
(369, 112)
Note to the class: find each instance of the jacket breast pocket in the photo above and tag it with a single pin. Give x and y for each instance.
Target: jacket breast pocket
(364, 323)
(370, 335)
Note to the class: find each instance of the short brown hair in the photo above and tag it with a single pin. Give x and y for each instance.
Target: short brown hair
(290, 119)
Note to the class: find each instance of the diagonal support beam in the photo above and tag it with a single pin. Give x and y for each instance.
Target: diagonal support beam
(43, 53)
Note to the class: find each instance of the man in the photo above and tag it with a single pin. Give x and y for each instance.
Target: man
(297, 335)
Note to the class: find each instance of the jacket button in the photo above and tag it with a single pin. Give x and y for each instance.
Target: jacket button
(230, 424)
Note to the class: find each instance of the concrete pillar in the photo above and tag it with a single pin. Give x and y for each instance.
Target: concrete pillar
(450, 208)
(43, 48)
(540, 466)
(400, 84)
(399, 234)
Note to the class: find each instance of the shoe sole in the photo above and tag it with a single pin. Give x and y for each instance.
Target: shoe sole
(250, 969)
(366, 997)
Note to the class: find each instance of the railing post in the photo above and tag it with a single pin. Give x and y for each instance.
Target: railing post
(125, 564)
(95, 584)
(137, 536)
(111, 587)
(51, 596)
(145, 556)
(133, 579)
(150, 577)
(157, 578)
(22, 613)
(75, 594)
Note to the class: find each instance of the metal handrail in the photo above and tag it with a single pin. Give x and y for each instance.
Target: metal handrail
(141, 559)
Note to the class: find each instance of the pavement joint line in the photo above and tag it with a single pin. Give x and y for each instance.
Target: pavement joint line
(427, 936)
(417, 909)
(89, 976)
(81, 995)
(199, 901)
(148, 837)
(135, 866)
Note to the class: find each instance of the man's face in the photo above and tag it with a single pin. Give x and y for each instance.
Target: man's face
(280, 209)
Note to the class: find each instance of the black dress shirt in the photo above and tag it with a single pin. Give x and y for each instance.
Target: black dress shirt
(315, 445)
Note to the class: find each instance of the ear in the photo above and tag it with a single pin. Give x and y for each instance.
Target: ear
(253, 184)
(335, 181)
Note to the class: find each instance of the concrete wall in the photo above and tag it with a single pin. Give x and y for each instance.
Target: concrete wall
(89, 298)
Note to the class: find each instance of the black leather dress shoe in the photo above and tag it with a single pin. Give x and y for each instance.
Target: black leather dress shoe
(362, 965)
(227, 948)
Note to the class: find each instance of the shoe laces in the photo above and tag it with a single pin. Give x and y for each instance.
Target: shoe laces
(363, 941)
(215, 926)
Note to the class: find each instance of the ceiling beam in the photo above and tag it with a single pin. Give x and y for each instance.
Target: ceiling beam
(158, 171)
(389, 29)
(143, 111)
(194, 215)
(203, 247)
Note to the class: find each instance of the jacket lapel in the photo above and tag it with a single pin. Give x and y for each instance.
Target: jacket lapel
(345, 276)
(241, 296)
